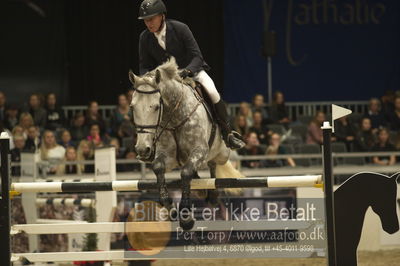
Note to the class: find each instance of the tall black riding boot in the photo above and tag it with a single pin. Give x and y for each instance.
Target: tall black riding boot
(232, 139)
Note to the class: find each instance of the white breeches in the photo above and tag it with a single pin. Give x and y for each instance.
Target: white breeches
(204, 79)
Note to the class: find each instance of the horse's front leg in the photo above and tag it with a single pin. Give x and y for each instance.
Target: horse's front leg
(189, 170)
(159, 169)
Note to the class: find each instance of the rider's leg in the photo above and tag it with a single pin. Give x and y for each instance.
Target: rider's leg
(232, 140)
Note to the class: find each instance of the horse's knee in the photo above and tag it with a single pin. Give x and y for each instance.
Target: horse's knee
(158, 167)
(188, 172)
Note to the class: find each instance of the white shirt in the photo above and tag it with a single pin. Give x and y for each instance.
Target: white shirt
(161, 36)
(56, 153)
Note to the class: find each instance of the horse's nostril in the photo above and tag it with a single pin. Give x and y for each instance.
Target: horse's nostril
(147, 150)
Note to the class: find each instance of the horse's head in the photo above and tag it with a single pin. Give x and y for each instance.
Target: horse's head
(386, 207)
(152, 91)
(146, 107)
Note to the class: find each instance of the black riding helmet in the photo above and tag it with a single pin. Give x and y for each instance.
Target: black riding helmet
(150, 8)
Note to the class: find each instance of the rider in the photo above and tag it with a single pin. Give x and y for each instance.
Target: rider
(164, 38)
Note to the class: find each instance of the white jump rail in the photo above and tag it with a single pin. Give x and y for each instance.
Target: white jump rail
(139, 185)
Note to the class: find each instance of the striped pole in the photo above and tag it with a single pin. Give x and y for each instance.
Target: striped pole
(5, 213)
(69, 202)
(139, 185)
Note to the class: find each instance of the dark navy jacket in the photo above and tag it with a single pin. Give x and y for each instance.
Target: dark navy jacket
(180, 44)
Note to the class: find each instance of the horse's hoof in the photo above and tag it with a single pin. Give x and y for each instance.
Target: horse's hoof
(186, 224)
(166, 202)
(212, 197)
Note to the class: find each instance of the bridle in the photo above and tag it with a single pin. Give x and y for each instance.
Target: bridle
(141, 129)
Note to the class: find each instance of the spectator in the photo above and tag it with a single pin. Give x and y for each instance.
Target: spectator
(55, 115)
(365, 137)
(25, 121)
(240, 125)
(66, 139)
(95, 137)
(18, 130)
(378, 119)
(94, 117)
(314, 133)
(345, 132)
(19, 143)
(11, 119)
(86, 153)
(3, 106)
(121, 114)
(259, 105)
(384, 145)
(278, 110)
(259, 128)
(36, 110)
(252, 148)
(33, 139)
(394, 116)
(388, 102)
(78, 128)
(245, 110)
(50, 151)
(275, 148)
(70, 157)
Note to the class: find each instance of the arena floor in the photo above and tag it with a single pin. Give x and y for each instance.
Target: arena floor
(379, 258)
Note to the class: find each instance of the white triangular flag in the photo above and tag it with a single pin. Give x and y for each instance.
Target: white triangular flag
(338, 112)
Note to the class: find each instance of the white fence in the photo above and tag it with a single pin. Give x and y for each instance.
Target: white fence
(296, 109)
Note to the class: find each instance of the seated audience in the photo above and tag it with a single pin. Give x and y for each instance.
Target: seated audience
(259, 128)
(86, 153)
(121, 114)
(275, 148)
(19, 143)
(388, 102)
(394, 116)
(36, 110)
(259, 106)
(240, 125)
(252, 148)
(66, 139)
(365, 138)
(244, 109)
(66, 168)
(383, 145)
(93, 116)
(278, 111)
(314, 132)
(11, 119)
(55, 115)
(78, 128)
(3, 107)
(18, 130)
(50, 151)
(25, 121)
(33, 139)
(95, 138)
(345, 132)
(374, 113)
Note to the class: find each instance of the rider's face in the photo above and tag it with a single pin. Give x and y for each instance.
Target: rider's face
(154, 23)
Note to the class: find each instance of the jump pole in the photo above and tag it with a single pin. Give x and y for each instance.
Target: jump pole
(5, 223)
(329, 197)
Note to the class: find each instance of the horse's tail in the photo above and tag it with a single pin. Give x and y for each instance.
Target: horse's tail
(228, 171)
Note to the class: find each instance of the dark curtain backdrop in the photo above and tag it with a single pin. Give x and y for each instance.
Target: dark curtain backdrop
(102, 43)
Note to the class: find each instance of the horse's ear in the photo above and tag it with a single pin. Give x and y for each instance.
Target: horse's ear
(132, 77)
(158, 76)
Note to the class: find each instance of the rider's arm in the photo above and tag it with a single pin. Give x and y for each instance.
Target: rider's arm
(192, 50)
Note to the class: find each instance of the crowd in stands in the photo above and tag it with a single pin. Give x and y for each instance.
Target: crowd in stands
(271, 131)
(40, 126)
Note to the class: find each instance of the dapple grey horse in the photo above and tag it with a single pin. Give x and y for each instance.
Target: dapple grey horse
(173, 131)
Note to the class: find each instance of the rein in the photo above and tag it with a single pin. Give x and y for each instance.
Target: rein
(142, 128)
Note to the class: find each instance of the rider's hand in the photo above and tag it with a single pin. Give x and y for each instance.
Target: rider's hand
(186, 73)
